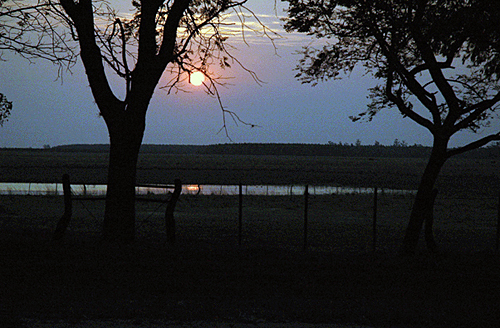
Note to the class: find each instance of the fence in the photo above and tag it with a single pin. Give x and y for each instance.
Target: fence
(428, 226)
(242, 210)
(63, 222)
(169, 213)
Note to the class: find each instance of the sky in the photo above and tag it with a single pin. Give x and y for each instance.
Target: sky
(58, 111)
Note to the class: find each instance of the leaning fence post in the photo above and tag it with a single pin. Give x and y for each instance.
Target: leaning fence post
(375, 201)
(63, 223)
(306, 200)
(169, 212)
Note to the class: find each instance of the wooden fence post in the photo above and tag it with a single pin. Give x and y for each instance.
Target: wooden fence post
(63, 223)
(306, 201)
(375, 201)
(240, 213)
(169, 213)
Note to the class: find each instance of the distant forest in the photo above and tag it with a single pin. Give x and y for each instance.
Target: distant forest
(400, 150)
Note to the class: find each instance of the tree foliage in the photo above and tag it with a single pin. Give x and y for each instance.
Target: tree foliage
(5, 108)
(441, 55)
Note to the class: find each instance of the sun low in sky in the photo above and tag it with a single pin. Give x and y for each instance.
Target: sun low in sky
(197, 78)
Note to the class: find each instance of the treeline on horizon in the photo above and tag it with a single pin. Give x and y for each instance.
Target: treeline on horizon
(285, 149)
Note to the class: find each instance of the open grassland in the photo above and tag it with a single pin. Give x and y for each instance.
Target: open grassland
(269, 278)
(479, 176)
(340, 223)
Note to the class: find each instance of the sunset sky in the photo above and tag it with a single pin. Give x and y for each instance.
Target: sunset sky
(51, 111)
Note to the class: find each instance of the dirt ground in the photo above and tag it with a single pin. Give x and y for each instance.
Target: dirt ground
(207, 279)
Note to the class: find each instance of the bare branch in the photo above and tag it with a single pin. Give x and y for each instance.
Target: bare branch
(36, 31)
(404, 108)
(424, 67)
(124, 57)
(473, 145)
(476, 111)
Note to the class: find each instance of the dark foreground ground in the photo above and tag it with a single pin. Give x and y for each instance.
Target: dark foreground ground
(83, 278)
(208, 280)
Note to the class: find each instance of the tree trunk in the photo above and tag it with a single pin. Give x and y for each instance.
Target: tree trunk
(423, 206)
(119, 215)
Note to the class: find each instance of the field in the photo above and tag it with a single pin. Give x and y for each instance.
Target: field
(459, 175)
(208, 279)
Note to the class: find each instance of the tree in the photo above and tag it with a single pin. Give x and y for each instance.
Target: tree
(172, 36)
(5, 105)
(5, 108)
(438, 61)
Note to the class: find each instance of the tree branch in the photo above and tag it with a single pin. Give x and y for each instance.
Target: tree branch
(124, 58)
(147, 31)
(473, 145)
(476, 111)
(424, 67)
(435, 70)
(34, 31)
(403, 108)
(427, 99)
(82, 15)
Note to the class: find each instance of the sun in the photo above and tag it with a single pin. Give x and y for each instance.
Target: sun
(197, 78)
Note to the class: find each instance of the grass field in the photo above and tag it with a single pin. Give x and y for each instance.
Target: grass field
(335, 222)
(207, 279)
(476, 176)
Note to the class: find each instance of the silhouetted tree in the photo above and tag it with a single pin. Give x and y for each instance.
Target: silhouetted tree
(5, 108)
(440, 54)
(173, 36)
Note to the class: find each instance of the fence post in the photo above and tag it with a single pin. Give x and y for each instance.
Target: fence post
(240, 213)
(375, 201)
(306, 200)
(63, 223)
(169, 213)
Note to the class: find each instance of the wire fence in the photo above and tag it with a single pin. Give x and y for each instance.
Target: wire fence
(340, 222)
(359, 220)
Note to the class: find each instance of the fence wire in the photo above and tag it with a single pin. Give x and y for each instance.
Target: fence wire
(335, 221)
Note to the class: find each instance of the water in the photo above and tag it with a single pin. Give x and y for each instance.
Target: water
(7, 188)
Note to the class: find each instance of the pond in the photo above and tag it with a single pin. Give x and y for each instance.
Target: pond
(8, 188)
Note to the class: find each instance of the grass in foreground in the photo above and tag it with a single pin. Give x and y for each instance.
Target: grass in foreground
(207, 276)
